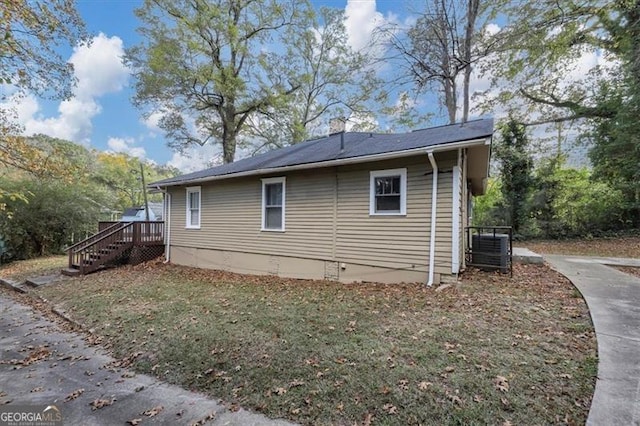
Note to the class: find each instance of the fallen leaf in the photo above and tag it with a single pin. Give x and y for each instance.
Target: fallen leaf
(390, 409)
(296, 383)
(424, 385)
(205, 419)
(134, 422)
(279, 391)
(153, 411)
(97, 404)
(501, 384)
(368, 418)
(73, 395)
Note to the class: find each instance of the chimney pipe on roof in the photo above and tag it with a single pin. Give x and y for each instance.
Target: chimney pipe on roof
(336, 125)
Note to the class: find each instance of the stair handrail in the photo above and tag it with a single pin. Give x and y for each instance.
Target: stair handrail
(79, 253)
(102, 237)
(97, 235)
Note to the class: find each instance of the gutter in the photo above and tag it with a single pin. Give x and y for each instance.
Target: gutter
(432, 236)
(331, 163)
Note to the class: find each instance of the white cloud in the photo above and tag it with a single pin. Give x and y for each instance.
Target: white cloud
(152, 122)
(99, 70)
(196, 158)
(361, 20)
(73, 122)
(126, 146)
(361, 122)
(98, 67)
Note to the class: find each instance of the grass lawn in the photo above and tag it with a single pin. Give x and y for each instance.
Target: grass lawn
(491, 350)
(606, 247)
(23, 269)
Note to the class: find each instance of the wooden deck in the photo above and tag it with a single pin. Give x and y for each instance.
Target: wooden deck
(116, 243)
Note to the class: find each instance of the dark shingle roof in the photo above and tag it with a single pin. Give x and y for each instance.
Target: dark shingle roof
(355, 145)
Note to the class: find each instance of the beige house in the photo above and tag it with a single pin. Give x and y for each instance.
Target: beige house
(347, 207)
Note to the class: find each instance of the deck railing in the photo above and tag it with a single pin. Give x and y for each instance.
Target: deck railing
(111, 240)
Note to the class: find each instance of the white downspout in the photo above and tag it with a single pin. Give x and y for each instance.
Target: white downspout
(434, 198)
(167, 230)
(456, 218)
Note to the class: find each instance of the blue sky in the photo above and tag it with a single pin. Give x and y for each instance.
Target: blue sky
(100, 114)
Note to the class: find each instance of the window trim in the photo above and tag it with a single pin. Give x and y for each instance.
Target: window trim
(268, 181)
(192, 190)
(403, 191)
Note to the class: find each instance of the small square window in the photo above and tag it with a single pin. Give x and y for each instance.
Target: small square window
(388, 192)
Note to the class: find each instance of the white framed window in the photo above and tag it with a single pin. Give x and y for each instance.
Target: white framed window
(273, 203)
(193, 207)
(388, 192)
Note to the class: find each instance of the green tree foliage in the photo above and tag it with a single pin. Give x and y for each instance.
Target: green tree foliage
(331, 80)
(565, 202)
(44, 210)
(537, 68)
(209, 65)
(30, 62)
(569, 202)
(516, 166)
(119, 175)
(487, 209)
(44, 219)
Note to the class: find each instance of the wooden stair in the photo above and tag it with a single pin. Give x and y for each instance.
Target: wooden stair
(113, 244)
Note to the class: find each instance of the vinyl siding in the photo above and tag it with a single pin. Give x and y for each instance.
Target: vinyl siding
(232, 217)
(326, 217)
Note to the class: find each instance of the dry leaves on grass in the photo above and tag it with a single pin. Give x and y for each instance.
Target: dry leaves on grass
(424, 385)
(608, 247)
(390, 409)
(501, 384)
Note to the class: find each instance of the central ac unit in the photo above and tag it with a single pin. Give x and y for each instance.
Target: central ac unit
(490, 251)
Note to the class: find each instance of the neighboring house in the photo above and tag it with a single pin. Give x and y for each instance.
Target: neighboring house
(134, 214)
(348, 207)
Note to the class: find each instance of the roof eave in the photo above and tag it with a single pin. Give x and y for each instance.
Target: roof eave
(331, 163)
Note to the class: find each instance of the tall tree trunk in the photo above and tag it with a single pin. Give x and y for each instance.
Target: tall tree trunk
(449, 80)
(473, 7)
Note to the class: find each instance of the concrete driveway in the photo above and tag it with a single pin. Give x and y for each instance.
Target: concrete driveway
(613, 298)
(40, 364)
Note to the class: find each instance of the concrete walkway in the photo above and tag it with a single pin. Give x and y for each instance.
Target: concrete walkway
(42, 365)
(613, 298)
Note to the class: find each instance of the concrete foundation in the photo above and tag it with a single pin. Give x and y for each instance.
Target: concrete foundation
(293, 267)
